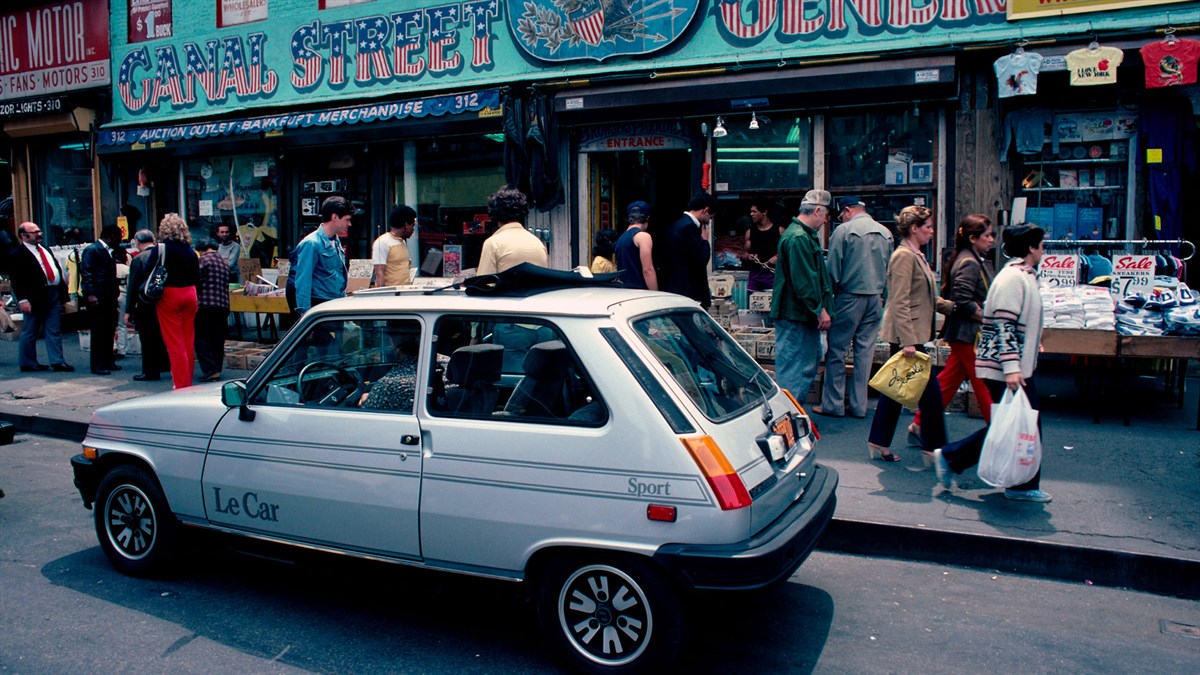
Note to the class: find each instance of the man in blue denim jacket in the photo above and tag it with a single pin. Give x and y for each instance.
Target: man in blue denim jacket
(320, 268)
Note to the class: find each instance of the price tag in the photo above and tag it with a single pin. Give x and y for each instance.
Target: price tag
(1059, 271)
(1132, 274)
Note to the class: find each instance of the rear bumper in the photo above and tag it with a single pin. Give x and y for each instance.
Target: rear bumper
(87, 477)
(769, 556)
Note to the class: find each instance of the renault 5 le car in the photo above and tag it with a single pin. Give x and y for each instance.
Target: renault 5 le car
(612, 449)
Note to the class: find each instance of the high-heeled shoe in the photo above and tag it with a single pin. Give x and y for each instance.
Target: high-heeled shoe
(914, 435)
(885, 455)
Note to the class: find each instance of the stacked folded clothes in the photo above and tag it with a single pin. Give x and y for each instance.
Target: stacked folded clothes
(1077, 307)
(1170, 308)
(1097, 308)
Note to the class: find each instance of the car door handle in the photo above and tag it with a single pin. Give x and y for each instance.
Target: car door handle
(408, 439)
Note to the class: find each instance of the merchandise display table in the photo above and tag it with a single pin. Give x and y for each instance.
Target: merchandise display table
(1105, 343)
(258, 305)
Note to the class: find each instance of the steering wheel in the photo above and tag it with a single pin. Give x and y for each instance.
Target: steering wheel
(345, 388)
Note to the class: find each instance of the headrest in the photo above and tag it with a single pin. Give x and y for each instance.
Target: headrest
(475, 363)
(546, 360)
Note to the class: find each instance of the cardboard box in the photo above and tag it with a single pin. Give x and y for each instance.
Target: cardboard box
(237, 360)
(720, 285)
(760, 301)
(255, 357)
(764, 349)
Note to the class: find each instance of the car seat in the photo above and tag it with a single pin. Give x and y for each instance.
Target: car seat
(472, 375)
(543, 391)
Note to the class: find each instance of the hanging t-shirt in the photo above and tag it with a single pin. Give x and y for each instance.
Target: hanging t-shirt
(1170, 64)
(1094, 66)
(1016, 74)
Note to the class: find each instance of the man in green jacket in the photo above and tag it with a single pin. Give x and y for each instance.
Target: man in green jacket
(802, 301)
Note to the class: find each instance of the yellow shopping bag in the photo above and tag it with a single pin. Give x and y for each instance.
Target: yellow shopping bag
(903, 378)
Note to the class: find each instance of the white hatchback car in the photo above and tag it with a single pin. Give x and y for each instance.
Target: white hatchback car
(612, 448)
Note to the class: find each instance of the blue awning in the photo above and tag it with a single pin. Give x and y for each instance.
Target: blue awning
(434, 106)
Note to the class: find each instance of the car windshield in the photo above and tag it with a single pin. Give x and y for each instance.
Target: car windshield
(715, 372)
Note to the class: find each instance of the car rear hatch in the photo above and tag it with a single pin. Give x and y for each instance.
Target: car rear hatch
(748, 428)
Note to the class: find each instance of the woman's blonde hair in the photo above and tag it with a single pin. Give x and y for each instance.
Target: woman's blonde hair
(910, 217)
(174, 228)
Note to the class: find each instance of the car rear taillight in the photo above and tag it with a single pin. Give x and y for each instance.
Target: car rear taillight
(812, 423)
(661, 512)
(725, 483)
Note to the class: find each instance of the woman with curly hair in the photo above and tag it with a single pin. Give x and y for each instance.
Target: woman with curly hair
(908, 323)
(966, 277)
(177, 307)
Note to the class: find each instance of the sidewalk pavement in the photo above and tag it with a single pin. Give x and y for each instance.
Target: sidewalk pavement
(1126, 509)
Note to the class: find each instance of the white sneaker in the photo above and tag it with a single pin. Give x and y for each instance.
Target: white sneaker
(1027, 495)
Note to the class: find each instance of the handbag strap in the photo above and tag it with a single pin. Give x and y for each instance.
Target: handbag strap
(162, 254)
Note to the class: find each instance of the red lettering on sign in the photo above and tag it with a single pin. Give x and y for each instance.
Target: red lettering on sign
(1132, 263)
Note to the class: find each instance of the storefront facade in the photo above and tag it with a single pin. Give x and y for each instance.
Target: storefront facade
(54, 78)
(604, 105)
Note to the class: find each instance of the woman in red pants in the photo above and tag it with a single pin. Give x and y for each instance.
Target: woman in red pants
(177, 308)
(965, 281)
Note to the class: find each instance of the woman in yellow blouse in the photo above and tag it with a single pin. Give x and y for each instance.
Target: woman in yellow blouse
(603, 263)
(908, 323)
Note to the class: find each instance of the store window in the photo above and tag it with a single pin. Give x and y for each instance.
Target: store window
(775, 156)
(241, 191)
(881, 150)
(62, 192)
(336, 171)
(453, 176)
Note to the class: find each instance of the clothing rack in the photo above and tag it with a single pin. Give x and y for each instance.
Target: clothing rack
(1122, 243)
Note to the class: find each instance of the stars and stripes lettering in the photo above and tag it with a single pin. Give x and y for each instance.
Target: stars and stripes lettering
(905, 13)
(126, 85)
(442, 42)
(793, 22)
(307, 64)
(201, 67)
(733, 17)
(869, 12)
(233, 73)
(334, 34)
(482, 13)
(167, 80)
(953, 10)
(409, 31)
(986, 7)
(372, 39)
(260, 84)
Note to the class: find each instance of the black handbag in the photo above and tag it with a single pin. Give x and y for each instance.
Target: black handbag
(152, 291)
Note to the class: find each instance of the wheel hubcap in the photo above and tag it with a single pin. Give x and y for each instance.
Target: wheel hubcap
(605, 615)
(130, 522)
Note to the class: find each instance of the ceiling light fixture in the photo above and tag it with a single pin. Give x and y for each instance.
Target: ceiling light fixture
(719, 130)
(753, 121)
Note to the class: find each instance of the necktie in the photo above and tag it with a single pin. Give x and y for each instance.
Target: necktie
(50, 280)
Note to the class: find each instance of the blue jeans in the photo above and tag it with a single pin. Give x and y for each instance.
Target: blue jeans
(35, 322)
(797, 354)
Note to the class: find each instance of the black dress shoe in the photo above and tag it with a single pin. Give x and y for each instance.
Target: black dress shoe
(34, 369)
(114, 367)
(143, 377)
(101, 371)
(62, 368)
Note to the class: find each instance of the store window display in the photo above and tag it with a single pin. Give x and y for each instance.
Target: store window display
(63, 192)
(240, 191)
(881, 150)
(762, 153)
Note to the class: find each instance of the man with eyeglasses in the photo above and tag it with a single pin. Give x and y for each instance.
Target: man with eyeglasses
(40, 287)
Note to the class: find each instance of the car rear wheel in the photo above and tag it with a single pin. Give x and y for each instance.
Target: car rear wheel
(616, 615)
(134, 524)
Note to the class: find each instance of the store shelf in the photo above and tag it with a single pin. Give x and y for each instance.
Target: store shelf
(1058, 162)
(1069, 189)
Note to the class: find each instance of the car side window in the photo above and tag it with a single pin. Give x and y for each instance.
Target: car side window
(369, 364)
(519, 369)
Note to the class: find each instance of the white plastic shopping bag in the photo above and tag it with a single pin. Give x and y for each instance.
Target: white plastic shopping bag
(1012, 450)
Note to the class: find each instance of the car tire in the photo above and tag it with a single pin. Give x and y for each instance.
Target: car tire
(133, 522)
(611, 615)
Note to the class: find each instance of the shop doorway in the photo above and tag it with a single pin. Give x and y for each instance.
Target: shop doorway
(662, 178)
(344, 172)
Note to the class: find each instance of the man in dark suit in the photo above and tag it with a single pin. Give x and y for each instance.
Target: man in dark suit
(40, 287)
(144, 315)
(99, 288)
(686, 251)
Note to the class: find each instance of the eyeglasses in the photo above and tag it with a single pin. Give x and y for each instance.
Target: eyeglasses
(31, 232)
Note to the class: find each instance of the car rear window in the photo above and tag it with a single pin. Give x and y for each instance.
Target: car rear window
(720, 378)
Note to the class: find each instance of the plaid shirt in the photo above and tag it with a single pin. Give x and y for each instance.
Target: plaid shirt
(213, 289)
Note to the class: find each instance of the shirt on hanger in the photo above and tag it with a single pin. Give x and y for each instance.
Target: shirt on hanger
(1028, 128)
(1171, 64)
(1016, 74)
(1094, 66)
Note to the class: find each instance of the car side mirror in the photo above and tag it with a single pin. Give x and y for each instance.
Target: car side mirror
(233, 395)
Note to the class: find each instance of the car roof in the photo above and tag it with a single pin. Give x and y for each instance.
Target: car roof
(581, 301)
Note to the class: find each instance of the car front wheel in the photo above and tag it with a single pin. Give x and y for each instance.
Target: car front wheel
(133, 522)
(611, 616)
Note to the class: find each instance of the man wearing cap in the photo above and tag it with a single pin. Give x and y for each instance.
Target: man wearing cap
(858, 259)
(633, 250)
(686, 251)
(802, 299)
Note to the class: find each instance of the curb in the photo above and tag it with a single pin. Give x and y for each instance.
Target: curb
(66, 430)
(1161, 575)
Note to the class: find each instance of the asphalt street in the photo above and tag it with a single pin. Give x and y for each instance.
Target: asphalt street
(63, 609)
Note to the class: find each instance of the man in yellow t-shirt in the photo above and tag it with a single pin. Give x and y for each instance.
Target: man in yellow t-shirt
(511, 244)
(389, 253)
